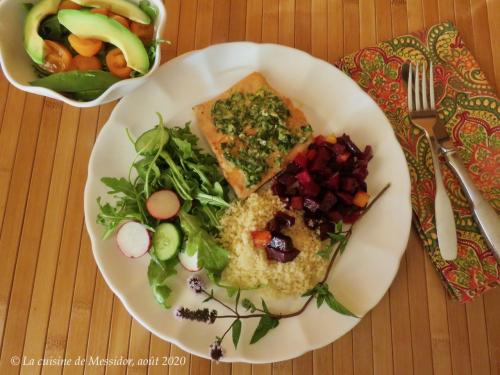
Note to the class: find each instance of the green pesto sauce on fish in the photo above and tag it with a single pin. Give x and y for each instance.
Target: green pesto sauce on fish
(257, 124)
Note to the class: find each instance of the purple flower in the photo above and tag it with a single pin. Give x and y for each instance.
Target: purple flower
(196, 284)
(216, 351)
(200, 315)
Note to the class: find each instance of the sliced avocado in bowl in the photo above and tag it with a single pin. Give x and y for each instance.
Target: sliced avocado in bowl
(33, 42)
(85, 24)
(122, 7)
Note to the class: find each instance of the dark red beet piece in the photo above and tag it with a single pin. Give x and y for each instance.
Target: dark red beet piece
(281, 242)
(324, 229)
(337, 148)
(304, 178)
(346, 140)
(278, 189)
(344, 197)
(311, 190)
(328, 201)
(335, 216)
(292, 168)
(334, 181)
(311, 154)
(279, 256)
(286, 179)
(311, 205)
(301, 160)
(349, 184)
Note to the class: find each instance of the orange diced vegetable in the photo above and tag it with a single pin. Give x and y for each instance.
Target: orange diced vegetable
(57, 57)
(85, 63)
(117, 64)
(85, 46)
(144, 32)
(361, 199)
(261, 238)
(331, 138)
(67, 4)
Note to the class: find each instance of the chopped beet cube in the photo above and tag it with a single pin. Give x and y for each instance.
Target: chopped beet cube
(320, 139)
(318, 164)
(346, 140)
(328, 201)
(344, 197)
(278, 189)
(360, 173)
(311, 190)
(292, 168)
(284, 219)
(261, 238)
(324, 153)
(281, 242)
(349, 184)
(286, 179)
(300, 160)
(280, 221)
(333, 181)
(279, 256)
(297, 203)
(311, 154)
(338, 148)
(342, 158)
(367, 153)
(304, 178)
(334, 216)
(311, 205)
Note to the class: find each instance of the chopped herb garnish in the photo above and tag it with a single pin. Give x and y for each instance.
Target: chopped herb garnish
(257, 123)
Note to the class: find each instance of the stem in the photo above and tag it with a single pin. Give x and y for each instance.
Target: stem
(218, 300)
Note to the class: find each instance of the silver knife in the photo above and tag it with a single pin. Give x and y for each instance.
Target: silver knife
(484, 215)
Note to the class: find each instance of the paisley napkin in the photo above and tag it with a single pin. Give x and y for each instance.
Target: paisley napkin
(471, 111)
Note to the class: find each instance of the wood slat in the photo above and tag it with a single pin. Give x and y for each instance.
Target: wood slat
(367, 25)
(478, 338)
(383, 19)
(459, 338)
(16, 192)
(62, 294)
(270, 21)
(362, 347)
(253, 22)
(492, 307)
(419, 312)
(32, 227)
(493, 8)
(335, 30)
(382, 338)
(438, 321)
(343, 355)
(319, 28)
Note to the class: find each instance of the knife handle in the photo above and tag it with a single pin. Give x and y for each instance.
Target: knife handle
(485, 216)
(445, 221)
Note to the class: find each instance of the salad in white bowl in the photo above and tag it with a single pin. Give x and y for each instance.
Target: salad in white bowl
(83, 52)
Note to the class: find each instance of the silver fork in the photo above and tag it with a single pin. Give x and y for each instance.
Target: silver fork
(422, 108)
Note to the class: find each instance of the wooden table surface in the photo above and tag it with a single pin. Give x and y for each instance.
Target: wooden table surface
(54, 303)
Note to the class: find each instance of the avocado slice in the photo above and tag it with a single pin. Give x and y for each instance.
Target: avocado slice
(33, 43)
(85, 24)
(122, 7)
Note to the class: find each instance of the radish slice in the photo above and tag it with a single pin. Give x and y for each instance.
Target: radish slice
(163, 204)
(189, 262)
(133, 239)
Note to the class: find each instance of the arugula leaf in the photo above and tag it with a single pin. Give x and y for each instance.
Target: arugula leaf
(236, 332)
(212, 200)
(266, 323)
(211, 255)
(119, 185)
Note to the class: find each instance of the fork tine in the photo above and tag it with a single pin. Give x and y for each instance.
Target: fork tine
(424, 87)
(417, 89)
(431, 87)
(410, 90)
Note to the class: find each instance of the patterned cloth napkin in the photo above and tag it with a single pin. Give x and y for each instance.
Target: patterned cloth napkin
(471, 111)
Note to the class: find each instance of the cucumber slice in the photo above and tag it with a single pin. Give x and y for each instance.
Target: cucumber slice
(149, 142)
(166, 241)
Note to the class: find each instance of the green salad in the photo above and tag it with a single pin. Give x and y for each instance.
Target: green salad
(169, 206)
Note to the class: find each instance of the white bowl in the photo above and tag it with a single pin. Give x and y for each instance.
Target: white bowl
(18, 67)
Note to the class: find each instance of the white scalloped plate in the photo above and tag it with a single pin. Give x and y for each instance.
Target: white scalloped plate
(332, 103)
